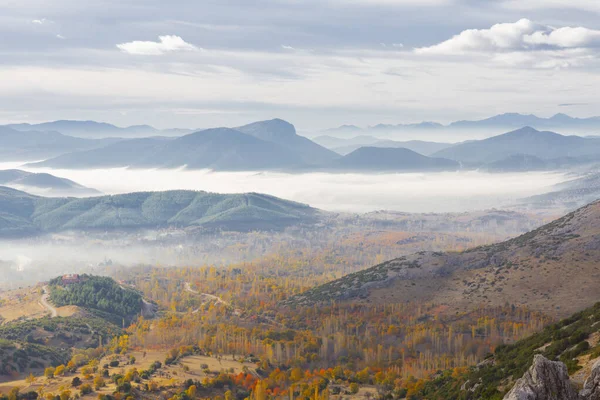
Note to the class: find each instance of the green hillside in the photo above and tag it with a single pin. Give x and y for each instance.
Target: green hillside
(97, 293)
(562, 341)
(22, 214)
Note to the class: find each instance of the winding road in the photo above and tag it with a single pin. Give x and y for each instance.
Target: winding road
(209, 298)
(237, 312)
(44, 303)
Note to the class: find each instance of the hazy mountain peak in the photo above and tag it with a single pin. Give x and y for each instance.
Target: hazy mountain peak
(526, 130)
(345, 128)
(269, 130)
(392, 159)
(284, 134)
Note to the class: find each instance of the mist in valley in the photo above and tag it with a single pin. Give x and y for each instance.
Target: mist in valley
(24, 261)
(340, 192)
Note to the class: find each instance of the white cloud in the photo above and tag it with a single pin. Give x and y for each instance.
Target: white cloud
(166, 44)
(39, 21)
(566, 37)
(500, 37)
(285, 47)
(59, 36)
(523, 44)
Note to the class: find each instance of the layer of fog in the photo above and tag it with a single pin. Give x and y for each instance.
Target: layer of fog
(410, 192)
(26, 261)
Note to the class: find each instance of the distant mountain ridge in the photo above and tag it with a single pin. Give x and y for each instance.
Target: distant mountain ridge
(516, 120)
(501, 121)
(35, 145)
(93, 129)
(274, 145)
(263, 145)
(392, 159)
(22, 214)
(527, 140)
(47, 183)
(425, 148)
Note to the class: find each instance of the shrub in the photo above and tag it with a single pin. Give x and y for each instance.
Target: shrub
(85, 389)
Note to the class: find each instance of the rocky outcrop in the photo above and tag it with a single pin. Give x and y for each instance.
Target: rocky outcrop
(591, 388)
(549, 380)
(545, 380)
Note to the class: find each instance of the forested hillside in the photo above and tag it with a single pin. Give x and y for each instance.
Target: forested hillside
(22, 214)
(97, 293)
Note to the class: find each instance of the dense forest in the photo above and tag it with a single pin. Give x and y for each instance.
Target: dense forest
(98, 293)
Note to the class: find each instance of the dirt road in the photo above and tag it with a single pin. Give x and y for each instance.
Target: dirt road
(45, 304)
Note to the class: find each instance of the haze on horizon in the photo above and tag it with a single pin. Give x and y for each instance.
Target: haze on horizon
(348, 192)
(316, 64)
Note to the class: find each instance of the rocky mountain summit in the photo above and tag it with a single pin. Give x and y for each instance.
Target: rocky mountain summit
(549, 380)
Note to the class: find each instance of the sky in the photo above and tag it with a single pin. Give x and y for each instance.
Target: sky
(315, 63)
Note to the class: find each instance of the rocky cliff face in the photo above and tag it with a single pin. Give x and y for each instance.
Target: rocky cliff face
(549, 380)
(545, 380)
(591, 388)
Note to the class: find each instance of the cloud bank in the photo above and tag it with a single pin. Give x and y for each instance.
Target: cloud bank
(523, 35)
(166, 44)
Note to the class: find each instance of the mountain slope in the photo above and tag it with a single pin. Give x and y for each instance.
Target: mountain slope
(222, 149)
(93, 129)
(34, 145)
(544, 145)
(517, 163)
(573, 341)
(332, 142)
(569, 195)
(47, 183)
(22, 214)
(217, 149)
(528, 270)
(391, 159)
(284, 134)
(418, 146)
(120, 154)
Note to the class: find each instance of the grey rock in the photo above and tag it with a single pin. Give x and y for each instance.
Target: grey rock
(591, 388)
(545, 380)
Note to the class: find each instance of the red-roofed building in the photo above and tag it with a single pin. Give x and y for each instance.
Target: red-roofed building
(70, 278)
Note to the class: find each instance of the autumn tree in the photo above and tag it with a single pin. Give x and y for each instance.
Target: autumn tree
(49, 372)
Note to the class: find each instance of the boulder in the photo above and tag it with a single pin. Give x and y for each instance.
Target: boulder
(545, 380)
(591, 388)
